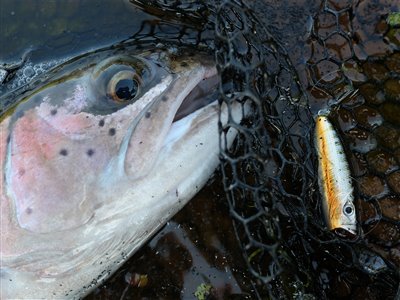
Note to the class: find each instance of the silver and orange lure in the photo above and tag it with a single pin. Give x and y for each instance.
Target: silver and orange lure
(334, 179)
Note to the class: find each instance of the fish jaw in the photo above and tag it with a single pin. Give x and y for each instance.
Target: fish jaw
(334, 178)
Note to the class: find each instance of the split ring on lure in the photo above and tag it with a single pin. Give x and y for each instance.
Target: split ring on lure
(334, 178)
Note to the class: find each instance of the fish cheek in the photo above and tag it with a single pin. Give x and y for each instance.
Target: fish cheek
(43, 181)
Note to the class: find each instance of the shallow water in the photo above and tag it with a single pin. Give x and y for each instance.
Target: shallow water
(59, 29)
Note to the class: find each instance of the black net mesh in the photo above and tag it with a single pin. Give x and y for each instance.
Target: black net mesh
(270, 174)
(262, 172)
(351, 65)
(193, 12)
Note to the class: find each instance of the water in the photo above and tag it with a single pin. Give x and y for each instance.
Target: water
(56, 29)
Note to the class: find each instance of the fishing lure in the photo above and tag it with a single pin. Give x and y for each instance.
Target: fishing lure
(334, 178)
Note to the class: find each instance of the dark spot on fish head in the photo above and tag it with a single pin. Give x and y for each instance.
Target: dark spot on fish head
(184, 64)
(164, 98)
(101, 123)
(111, 131)
(28, 211)
(63, 152)
(53, 112)
(8, 138)
(147, 114)
(90, 152)
(21, 172)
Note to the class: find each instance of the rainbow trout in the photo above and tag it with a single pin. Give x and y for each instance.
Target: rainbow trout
(95, 159)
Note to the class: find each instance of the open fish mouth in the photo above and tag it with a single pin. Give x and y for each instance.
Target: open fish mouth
(203, 94)
(183, 97)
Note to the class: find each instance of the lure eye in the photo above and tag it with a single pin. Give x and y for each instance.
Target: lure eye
(124, 86)
(348, 209)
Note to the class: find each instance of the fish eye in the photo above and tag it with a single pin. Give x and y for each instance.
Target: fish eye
(124, 86)
(119, 81)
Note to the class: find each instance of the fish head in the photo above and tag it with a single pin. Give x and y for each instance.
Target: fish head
(97, 158)
(346, 225)
(99, 131)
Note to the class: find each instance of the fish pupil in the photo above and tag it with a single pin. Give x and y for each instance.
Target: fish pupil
(348, 210)
(126, 89)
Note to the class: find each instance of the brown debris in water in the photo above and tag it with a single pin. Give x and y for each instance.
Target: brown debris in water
(394, 182)
(385, 233)
(390, 207)
(381, 161)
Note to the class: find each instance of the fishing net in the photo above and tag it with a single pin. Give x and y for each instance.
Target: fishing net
(270, 174)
